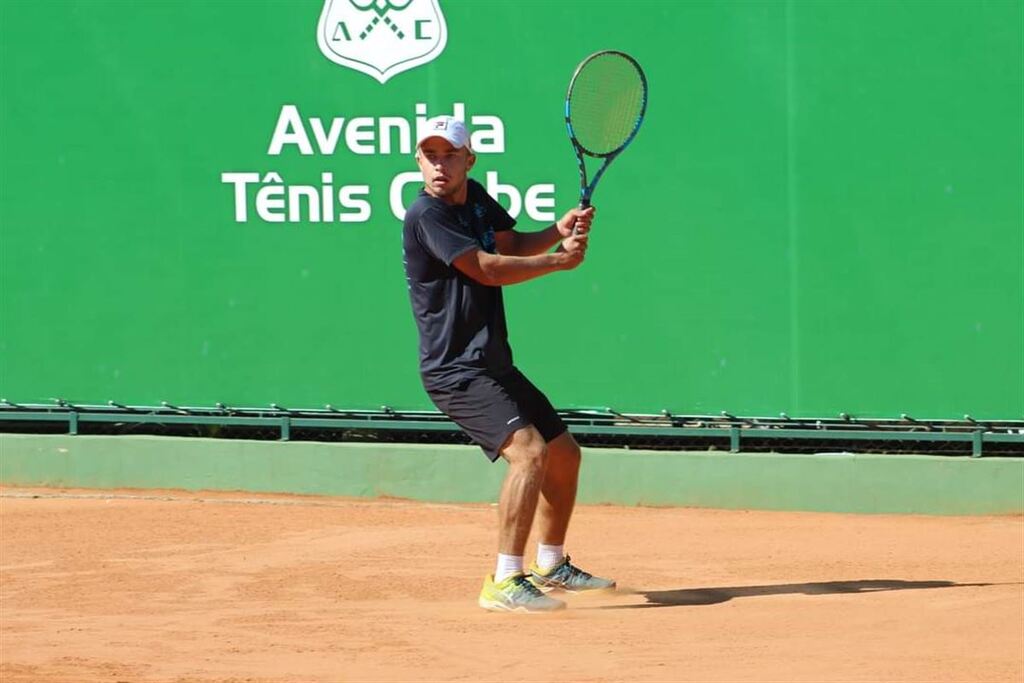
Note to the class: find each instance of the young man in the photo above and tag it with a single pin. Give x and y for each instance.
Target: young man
(460, 249)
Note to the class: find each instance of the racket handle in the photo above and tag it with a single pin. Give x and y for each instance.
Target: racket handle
(584, 204)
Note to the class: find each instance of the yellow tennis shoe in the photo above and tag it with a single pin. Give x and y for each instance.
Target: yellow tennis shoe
(568, 577)
(515, 594)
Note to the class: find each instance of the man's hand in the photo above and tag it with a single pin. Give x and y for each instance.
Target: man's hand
(572, 250)
(575, 218)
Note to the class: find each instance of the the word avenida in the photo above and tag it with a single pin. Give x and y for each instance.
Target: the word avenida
(366, 135)
(266, 195)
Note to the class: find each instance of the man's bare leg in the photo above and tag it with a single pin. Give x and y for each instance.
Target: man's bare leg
(509, 589)
(558, 491)
(526, 454)
(554, 509)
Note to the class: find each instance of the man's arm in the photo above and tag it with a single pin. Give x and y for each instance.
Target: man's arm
(514, 243)
(496, 270)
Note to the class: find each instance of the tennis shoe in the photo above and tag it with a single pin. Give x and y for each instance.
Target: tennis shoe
(568, 577)
(515, 594)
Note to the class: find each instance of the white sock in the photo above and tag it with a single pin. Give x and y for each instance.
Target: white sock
(507, 566)
(549, 556)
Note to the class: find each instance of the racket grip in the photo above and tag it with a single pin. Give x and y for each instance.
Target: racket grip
(584, 204)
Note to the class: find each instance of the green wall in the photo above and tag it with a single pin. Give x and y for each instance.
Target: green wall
(822, 212)
(834, 482)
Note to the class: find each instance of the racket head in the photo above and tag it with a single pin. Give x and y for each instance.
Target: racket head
(606, 103)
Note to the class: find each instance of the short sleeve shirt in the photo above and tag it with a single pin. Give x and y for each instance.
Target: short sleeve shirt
(461, 321)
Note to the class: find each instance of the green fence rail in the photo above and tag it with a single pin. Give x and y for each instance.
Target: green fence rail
(594, 427)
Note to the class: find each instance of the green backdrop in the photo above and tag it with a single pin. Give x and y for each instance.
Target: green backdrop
(822, 213)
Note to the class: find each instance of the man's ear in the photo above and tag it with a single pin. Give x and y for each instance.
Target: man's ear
(470, 160)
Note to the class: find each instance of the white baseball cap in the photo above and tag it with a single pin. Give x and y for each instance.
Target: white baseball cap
(447, 127)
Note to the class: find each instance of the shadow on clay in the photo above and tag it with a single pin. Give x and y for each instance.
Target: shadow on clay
(714, 596)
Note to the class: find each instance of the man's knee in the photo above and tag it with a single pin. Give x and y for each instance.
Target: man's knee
(565, 450)
(526, 447)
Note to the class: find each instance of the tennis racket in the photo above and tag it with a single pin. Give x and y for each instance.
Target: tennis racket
(604, 108)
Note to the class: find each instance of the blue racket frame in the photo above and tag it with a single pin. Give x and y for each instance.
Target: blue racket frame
(587, 189)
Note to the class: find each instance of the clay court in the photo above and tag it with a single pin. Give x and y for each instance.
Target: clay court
(175, 586)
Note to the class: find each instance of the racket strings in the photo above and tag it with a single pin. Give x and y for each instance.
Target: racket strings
(606, 103)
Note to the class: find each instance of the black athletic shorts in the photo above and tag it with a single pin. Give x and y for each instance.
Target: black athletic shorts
(489, 409)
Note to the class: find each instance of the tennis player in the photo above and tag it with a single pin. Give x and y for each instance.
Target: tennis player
(460, 249)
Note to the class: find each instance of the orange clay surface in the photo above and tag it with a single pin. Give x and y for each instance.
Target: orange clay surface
(175, 586)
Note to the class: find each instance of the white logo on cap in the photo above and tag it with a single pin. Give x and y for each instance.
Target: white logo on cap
(381, 38)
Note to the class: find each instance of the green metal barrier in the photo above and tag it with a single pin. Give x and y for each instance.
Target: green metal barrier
(665, 431)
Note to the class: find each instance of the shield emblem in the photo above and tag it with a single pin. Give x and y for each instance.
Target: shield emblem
(381, 38)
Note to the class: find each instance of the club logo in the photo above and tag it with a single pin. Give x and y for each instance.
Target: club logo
(381, 38)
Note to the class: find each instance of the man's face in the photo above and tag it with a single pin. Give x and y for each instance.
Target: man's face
(444, 168)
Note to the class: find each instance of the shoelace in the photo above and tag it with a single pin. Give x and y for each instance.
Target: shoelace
(573, 571)
(523, 585)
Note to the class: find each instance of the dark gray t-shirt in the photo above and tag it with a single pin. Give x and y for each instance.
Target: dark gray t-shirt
(461, 322)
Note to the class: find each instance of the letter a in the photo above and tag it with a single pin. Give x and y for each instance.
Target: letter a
(341, 28)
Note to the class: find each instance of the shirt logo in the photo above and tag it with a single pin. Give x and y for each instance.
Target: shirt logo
(381, 38)
(488, 242)
(485, 234)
